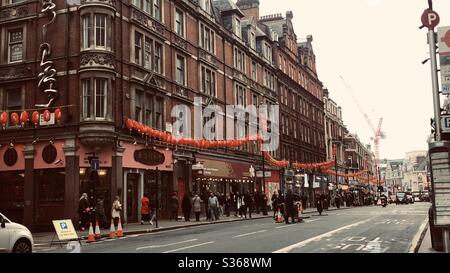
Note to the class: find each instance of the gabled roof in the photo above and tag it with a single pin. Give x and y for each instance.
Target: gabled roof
(227, 5)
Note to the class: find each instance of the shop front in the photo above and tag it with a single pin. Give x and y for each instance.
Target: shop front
(222, 176)
(146, 170)
(272, 182)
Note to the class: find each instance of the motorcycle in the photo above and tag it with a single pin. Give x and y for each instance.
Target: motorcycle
(383, 202)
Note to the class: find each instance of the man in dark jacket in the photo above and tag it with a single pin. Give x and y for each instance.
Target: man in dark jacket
(290, 209)
(274, 204)
(248, 200)
(186, 207)
(319, 204)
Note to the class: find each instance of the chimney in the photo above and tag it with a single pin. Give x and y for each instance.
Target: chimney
(250, 8)
(289, 15)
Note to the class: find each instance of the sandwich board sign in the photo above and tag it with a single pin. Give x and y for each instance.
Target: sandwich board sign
(65, 230)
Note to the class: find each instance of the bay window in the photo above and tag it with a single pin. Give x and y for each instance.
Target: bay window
(95, 31)
(95, 98)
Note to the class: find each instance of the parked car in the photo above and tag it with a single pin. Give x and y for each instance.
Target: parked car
(14, 237)
(401, 198)
(409, 198)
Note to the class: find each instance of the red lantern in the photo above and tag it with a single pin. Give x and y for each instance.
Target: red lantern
(15, 119)
(58, 115)
(24, 118)
(35, 118)
(129, 124)
(47, 116)
(4, 119)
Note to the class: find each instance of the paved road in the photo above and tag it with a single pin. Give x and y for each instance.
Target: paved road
(393, 229)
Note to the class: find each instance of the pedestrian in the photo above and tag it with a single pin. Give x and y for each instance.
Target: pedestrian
(274, 204)
(100, 212)
(319, 204)
(115, 211)
(290, 209)
(213, 204)
(197, 202)
(228, 204)
(206, 196)
(241, 205)
(337, 200)
(83, 211)
(235, 204)
(248, 200)
(153, 207)
(280, 203)
(145, 209)
(304, 200)
(264, 204)
(186, 206)
(174, 202)
(258, 201)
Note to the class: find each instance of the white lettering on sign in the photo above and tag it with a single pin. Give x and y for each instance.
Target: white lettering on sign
(431, 18)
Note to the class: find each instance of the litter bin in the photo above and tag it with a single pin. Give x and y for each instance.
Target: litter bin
(437, 242)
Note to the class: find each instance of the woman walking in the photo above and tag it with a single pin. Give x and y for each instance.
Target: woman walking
(83, 211)
(116, 209)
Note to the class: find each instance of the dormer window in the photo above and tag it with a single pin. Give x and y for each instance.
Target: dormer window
(252, 40)
(237, 27)
(267, 52)
(205, 5)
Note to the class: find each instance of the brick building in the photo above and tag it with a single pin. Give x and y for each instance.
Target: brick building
(139, 59)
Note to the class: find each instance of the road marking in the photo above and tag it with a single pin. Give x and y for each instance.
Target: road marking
(251, 233)
(186, 247)
(156, 246)
(328, 234)
(416, 238)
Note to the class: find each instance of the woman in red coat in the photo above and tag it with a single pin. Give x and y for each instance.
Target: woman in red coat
(145, 209)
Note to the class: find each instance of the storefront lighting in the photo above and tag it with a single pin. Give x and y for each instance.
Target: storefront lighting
(82, 171)
(102, 172)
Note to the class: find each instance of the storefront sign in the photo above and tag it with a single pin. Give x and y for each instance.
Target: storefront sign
(10, 157)
(65, 230)
(260, 174)
(224, 169)
(149, 157)
(49, 154)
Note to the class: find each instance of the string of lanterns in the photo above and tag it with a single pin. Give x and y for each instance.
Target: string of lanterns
(146, 131)
(273, 161)
(22, 119)
(330, 172)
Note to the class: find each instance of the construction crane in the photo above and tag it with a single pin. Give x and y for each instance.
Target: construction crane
(378, 134)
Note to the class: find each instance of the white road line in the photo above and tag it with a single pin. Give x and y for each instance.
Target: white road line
(251, 233)
(156, 246)
(416, 238)
(183, 248)
(328, 234)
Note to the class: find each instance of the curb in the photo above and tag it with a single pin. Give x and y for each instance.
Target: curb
(156, 230)
(421, 238)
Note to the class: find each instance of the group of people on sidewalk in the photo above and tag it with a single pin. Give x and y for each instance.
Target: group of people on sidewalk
(90, 212)
(216, 205)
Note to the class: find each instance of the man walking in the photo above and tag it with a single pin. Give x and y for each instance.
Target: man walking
(290, 209)
(213, 204)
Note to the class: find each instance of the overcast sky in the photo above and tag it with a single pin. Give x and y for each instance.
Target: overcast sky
(377, 47)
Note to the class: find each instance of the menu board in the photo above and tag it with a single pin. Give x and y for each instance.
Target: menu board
(440, 165)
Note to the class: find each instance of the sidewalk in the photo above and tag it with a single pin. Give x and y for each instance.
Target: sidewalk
(425, 246)
(45, 238)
